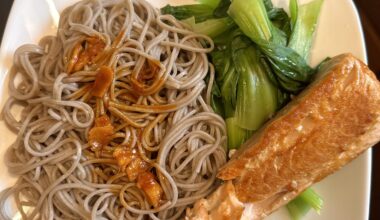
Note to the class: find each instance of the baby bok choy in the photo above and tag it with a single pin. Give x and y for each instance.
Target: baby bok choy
(247, 94)
(290, 67)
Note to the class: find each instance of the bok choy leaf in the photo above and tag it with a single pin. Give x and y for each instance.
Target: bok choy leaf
(252, 18)
(222, 8)
(211, 3)
(248, 95)
(211, 27)
(304, 22)
(291, 69)
(256, 94)
(236, 135)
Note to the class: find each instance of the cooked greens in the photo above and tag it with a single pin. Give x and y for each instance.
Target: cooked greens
(212, 3)
(247, 94)
(305, 19)
(212, 27)
(291, 68)
(299, 206)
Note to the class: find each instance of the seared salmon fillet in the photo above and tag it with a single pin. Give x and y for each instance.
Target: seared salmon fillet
(335, 119)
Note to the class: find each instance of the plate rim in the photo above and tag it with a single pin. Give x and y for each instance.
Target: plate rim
(368, 154)
(369, 151)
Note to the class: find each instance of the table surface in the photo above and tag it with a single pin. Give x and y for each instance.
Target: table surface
(368, 10)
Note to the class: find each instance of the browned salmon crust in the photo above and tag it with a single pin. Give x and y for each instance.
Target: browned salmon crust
(333, 121)
(328, 125)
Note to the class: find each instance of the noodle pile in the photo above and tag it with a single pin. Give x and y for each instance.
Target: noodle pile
(157, 104)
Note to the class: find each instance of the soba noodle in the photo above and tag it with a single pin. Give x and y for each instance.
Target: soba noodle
(166, 119)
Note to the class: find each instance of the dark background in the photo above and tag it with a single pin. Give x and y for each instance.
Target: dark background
(369, 11)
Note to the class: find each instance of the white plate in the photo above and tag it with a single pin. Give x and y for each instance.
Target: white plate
(346, 193)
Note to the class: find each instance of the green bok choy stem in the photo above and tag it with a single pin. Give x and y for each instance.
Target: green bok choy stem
(301, 205)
